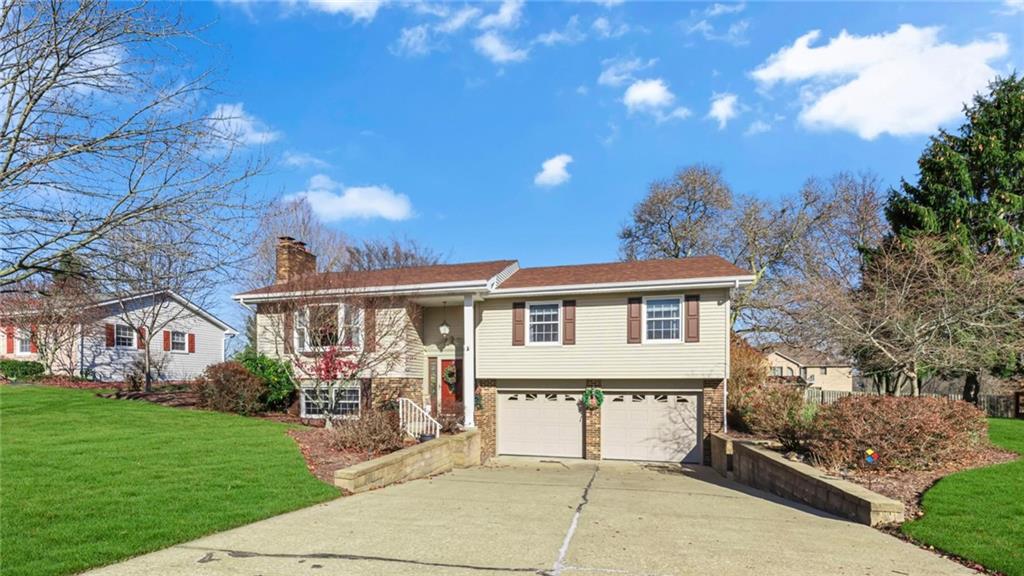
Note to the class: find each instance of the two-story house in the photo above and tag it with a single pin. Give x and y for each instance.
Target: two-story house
(809, 368)
(652, 336)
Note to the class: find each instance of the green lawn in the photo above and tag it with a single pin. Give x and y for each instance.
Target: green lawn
(979, 514)
(86, 481)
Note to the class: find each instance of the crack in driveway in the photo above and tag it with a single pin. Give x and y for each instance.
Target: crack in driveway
(584, 499)
(339, 556)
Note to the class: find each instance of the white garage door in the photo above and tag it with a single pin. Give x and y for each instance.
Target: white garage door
(656, 426)
(540, 424)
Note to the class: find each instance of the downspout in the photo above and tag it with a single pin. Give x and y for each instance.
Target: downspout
(728, 359)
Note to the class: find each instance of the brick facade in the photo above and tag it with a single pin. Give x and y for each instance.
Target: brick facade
(714, 405)
(592, 428)
(384, 389)
(486, 418)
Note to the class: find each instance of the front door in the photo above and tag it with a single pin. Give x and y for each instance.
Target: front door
(451, 389)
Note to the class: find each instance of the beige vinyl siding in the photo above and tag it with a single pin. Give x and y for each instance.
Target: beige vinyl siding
(838, 378)
(789, 368)
(601, 350)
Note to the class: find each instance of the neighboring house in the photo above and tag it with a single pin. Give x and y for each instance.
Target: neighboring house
(104, 347)
(809, 368)
(653, 335)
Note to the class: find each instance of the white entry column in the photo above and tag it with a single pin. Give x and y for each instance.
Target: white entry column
(468, 361)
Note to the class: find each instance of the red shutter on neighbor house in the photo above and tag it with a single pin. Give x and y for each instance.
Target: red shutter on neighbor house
(369, 327)
(167, 340)
(693, 318)
(141, 344)
(568, 322)
(32, 341)
(10, 339)
(633, 320)
(191, 343)
(110, 335)
(518, 323)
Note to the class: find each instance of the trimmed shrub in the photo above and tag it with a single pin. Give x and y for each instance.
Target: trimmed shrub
(780, 412)
(17, 369)
(908, 433)
(277, 376)
(229, 387)
(374, 432)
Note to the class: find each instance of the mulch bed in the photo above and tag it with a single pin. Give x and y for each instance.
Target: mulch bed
(322, 459)
(909, 486)
(172, 398)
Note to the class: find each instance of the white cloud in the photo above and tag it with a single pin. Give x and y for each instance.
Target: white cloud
(231, 122)
(582, 90)
(365, 10)
(331, 201)
(757, 127)
(724, 107)
(507, 16)
(618, 71)
(604, 28)
(302, 160)
(553, 171)
(1012, 7)
(571, 34)
(609, 3)
(493, 46)
(901, 83)
(458, 20)
(719, 9)
(653, 97)
(413, 41)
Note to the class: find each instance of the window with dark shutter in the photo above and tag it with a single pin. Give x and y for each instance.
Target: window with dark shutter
(167, 340)
(110, 335)
(518, 323)
(568, 322)
(369, 327)
(633, 320)
(289, 331)
(693, 318)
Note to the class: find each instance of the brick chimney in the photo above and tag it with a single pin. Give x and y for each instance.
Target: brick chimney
(293, 260)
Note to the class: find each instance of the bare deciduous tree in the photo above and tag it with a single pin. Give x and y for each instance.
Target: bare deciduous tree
(295, 218)
(101, 136)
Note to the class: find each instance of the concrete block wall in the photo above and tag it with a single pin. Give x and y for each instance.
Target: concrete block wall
(420, 461)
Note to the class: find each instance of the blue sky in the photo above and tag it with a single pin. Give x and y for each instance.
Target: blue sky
(508, 130)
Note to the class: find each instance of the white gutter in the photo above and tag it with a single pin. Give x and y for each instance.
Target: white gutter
(643, 286)
(405, 290)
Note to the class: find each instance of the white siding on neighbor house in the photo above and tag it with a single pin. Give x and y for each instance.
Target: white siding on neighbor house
(111, 364)
(601, 350)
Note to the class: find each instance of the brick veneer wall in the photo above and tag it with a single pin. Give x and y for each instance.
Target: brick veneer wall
(714, 403)
(486, 418)
(384, 389)
(592, 428)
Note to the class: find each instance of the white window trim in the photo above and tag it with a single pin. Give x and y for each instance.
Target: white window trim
(184, 349)
(682, 323)
(135, 338)
(332, 388)
(558, 340)
(341, 326)
(18, 334)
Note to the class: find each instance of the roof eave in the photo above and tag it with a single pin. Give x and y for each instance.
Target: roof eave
(631, 286)
(477, 286)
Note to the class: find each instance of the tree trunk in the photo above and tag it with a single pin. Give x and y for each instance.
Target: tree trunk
(972, 387)
(149, 378)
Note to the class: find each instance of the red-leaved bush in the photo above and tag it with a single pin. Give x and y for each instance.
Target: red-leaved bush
(229, 387)
(906, 433)
(777, 411)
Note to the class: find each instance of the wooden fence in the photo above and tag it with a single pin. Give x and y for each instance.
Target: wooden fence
(993, 405)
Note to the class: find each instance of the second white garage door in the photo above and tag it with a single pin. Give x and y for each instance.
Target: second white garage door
(655, 426)
(540, 424)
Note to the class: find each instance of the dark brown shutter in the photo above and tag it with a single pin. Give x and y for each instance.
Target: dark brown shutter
(10, 339)
(289, 331)
(568, 322)
(518, 323)
(141, 344)
(633, 320)
(191, 343)
(167, 340)
(369, 327)
(110, 335)
(693, 318)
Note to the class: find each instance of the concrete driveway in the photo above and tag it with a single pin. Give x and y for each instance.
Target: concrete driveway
(521, 516)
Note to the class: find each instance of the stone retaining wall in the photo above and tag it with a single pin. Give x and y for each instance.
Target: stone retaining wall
(768, 470)
(721, 454)
(427, 459)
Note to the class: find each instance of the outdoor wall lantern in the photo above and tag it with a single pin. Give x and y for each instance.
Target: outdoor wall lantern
(444, 328)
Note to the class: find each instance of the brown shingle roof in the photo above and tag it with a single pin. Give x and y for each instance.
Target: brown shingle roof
(436, 274)
(636, 271)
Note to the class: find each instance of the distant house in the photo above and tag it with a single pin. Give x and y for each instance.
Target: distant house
(809, 368)
(105, 346)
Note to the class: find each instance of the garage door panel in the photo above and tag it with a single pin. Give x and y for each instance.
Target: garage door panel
(656, 426)
(540, 424)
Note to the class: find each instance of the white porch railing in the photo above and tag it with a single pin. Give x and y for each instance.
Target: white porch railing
(415, 421)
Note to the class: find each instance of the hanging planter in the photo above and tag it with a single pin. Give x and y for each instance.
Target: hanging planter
(450, 377)
(593, 398)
